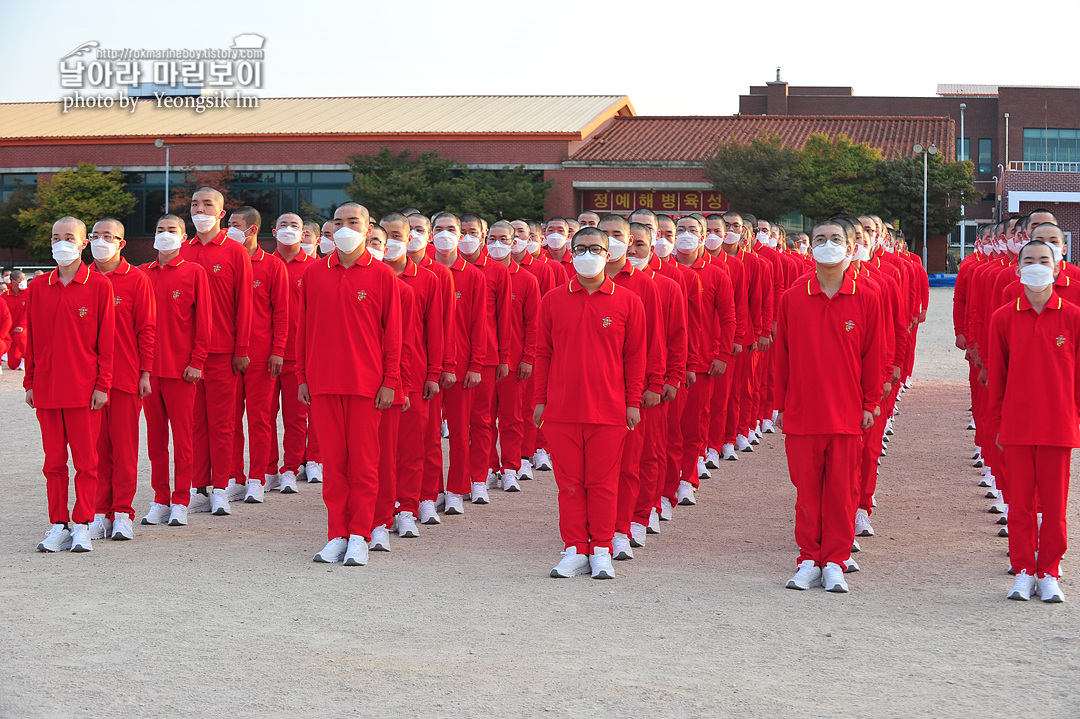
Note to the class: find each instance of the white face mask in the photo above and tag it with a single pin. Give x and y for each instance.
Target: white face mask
(773, 241)
(102, 250)
(732, 238)
(65, 253)
(204, 223)
(326, 245)
(377, 254)
(713, 241)
(394, 249)
(236, 234)
(639, 263)
(830, 253)
(862, 253)
(167, 242)
(467, 244)
(1037, 277)
(662, 247)
(498, 251)
(1014, 246)
(616, 249)
(589, 265)
(762, 237)
(686, 242)
(890, 250)
(22, 284)
(555, 241)
(520, 246)
(803, 248)
(446, 241)
(417, 241)
(1057, 253)
(532, 247)
(288, 235)
(347, 239)
(308, 248)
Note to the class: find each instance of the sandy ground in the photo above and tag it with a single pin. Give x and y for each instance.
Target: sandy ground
(230, 617)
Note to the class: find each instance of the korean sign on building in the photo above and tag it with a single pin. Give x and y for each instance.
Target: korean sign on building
(660, 201)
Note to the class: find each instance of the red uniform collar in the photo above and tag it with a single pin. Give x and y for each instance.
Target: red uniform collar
(260, 254)
(514, 267)
(526, 261)
(1023, 304)
(363, 260)
(698, 264)
(459, 263)
(218, 239)
(301, 257)
(607, 288)
(627, 269)
(121, 269)
(847, 287)
(81, 276)
(410, 268)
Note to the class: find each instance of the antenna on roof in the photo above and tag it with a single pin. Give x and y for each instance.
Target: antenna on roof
(778, 74)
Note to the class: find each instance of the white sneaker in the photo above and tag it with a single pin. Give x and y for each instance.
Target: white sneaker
(445, 430)
(728, 453)
(480, 493)
(525, 472)
(178, 516)
(873, 501)
(654, 523)
(808, 575)
(850, 565)
(273, 481)
(509, 481)
(742, 444)
(888, 428)
(219, 503)
(1004, 518)
(428, 515)
(121, 528)
(356, 552)
(313, 470)
(454, 504)
(1049, 590)
(333, 551)
(832, 578)
(80, 538)
(986, 480)
(406, 525)
(1003, 532)
(494, 479)
(301, 472)
(637, 534)
(886, 439)
(620, 543)
(380, 540)
(685, 494)
(855, 546)
(768, 426)
(702, 470)
(571, 564)
(1023, 587)
(254, 493)
(600, 563)
(101, 527)
(236, 491)
(199, 502)
(978, 463)
(158, 514)
(665, 509)
(754, 437)
(541, 460)
(56, 539)
(862, 524)
(712, 459)
(288, 483)
(998, 507)
(971, 424)
(440, 502)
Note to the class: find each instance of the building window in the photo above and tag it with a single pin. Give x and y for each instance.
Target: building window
(1051, 145)
(963, 152)
(986, 159)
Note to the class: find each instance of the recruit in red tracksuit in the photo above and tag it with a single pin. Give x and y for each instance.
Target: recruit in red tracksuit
(1034, 398)
(16, 303)
(829, 354)
(283, 396)
(497, 315)
(590, 367)
(69, 355)
(353, 315)
(133, 354)
(5, 327)
(432, 482)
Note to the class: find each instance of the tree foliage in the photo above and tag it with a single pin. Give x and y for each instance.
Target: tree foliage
(838, 175)
(758, 176)
(949, 184)
(12, 236)
(84, 192)
(385, 182)
(187, 179)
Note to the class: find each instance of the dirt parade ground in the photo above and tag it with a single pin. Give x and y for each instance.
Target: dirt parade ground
(230, 617)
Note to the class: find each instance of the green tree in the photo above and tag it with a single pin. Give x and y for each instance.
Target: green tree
(948, 184)
(385, 182)
(12, 236)
(838, 175)
(84, 192)
(757, 177)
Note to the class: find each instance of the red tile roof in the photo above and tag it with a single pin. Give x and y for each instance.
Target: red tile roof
(691, 139)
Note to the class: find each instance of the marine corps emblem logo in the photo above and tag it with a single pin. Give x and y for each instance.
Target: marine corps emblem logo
(607, 322)
(849, 325)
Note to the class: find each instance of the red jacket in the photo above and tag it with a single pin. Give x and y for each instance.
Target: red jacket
(590, 354)
(269, 306)
(70, 337)
(424, 339)
(184, 316)
(296, 267)
(655, 357)
(673, 306)
(717, 321)
(446, 292)
(470, 318)
(349, 333)
(228, 270)
(524, 314)
(497, 309)
(136, 317)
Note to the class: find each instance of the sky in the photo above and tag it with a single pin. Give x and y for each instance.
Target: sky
(670, 58)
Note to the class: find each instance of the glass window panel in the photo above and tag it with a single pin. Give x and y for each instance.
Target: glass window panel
(263, 200)
(288, 201)
(303, 178)
(327, 200)
(331, 178)
(155, 206)
(986, 155)
(287, 178)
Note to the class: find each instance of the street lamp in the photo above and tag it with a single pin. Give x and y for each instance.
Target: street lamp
(965, 148)
(924, 151)
(159, 143)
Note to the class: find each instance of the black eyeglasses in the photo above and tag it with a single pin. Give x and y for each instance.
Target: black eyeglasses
(591, 249)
